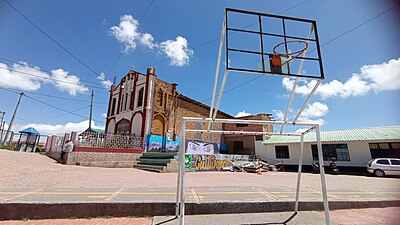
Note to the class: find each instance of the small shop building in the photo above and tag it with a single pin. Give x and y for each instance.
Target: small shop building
(351, 148)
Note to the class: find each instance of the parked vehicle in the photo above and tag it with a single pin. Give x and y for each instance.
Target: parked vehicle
(334, 168)
(384, 166)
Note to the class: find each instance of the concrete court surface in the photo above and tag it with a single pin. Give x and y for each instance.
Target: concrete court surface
(31, 177)
(371, 216)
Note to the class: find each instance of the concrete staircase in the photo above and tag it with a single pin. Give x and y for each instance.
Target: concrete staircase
(158, 162)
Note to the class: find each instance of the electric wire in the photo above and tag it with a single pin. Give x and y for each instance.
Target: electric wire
(51, 38)
(140, 22)
(63, 29)
(50, 105)
(52, 79)
(326, 43)
(218, 38)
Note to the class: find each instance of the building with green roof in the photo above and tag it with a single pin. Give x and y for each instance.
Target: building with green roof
(351, 148)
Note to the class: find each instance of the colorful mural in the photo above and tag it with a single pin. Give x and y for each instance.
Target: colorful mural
(199, 147)
(209, 163)
(157, 143)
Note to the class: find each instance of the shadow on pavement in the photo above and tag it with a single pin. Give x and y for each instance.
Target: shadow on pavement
(166, 221)
(276, 223)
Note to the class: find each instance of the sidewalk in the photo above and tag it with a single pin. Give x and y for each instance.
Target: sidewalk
(372, 216)
(45, 189)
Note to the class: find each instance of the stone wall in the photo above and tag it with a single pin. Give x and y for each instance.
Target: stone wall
(99, 159)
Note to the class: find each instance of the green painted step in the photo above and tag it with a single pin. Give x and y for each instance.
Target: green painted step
(160, 154)
(144, 160)
(154, 167)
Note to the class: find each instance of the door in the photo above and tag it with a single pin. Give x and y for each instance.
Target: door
(395, 170)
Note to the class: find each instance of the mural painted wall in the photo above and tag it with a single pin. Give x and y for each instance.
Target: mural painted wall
(214, 162)
(157, 143)
(199, 147)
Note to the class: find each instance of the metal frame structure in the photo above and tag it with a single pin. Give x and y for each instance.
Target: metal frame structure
(180, 192)
(180, 196)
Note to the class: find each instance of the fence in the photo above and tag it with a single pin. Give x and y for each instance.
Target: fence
(104, 140)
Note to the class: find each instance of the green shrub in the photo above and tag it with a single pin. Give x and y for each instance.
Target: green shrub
(6, 147)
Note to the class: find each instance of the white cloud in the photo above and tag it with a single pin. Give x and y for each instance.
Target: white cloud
(316, 109)
(301, 130)
(177, 51)
(310, 115)
(73, 86)
(104, 115)
(106, 83)
(148, 40)
(127, 31)
(47, 129)
(279, 115)
(19, 80)
(243, 113)
(31, 78)
(377, 77)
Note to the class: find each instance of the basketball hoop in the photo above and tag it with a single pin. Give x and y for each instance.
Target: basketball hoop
(276, 57)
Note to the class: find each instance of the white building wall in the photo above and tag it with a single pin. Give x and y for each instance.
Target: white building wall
(358, 150)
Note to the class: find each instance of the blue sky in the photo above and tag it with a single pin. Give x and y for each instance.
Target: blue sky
(362, 67)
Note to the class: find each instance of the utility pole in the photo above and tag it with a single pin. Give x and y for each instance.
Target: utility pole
(91, 106)
(12, 118)
(2, 125)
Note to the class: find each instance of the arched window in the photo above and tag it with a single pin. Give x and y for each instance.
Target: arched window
(140, 98)
(123, 126)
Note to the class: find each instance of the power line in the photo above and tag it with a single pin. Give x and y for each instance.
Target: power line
(53, 96)
(47, 35)
(326, 43)
(56, 107)
(47, 104)
(60, 26)
(217, 39)
(140, 22)
(48, 78)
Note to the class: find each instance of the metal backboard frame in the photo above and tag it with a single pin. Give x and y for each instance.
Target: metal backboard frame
(263, 53)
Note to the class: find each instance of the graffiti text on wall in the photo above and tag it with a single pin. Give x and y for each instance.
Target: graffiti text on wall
(209, 162)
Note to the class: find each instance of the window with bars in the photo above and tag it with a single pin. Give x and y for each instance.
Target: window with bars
(282, 152)
(338, 151)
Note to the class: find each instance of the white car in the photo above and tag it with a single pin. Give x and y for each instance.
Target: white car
(384, 166)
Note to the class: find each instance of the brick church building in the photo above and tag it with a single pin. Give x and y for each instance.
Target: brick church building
(142, 105)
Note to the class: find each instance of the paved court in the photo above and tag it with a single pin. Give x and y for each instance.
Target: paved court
(29, 180)
(28, 177)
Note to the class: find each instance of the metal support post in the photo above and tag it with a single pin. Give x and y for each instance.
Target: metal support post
(322, 172)
(221, 43)
(12, 118)
(221, 91)
(182, 173)
(2, 126)
(296, 207)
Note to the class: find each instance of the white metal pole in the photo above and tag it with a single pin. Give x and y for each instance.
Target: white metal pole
(178, 184)
(307, 100)
(182, 148)
(296, 207)
(296, 81)
(221, 43)
(221, 90)
(322, 172)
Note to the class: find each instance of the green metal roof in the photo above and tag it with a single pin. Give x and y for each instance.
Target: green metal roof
(361, 134)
